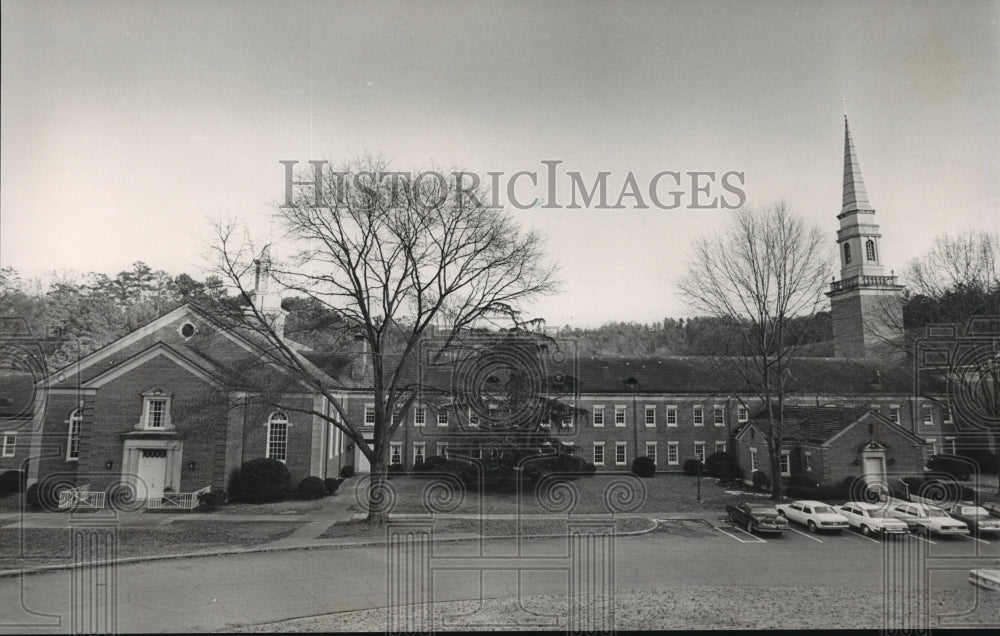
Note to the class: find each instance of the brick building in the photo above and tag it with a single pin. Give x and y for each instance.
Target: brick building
(165, 406)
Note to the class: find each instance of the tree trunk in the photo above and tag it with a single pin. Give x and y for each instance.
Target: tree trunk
(379, 491)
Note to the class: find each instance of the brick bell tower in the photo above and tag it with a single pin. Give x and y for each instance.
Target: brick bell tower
(865, 304)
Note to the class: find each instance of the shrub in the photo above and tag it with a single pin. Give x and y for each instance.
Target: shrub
(261, 480)
(12, 481)
(821, 493)
(312, 488)
(346, 472)
(644, 467)
(802, 480)
(211, 500)
(436, 463)
(761, 481)
(331, 484)
(985, 460)
(420, 467)
(730, 472)
(953, 465)
(44, 495)
(716, 463)
(692, 466)
(395, 468)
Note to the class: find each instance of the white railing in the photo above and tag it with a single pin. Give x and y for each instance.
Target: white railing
(81, 497)
(176, 500)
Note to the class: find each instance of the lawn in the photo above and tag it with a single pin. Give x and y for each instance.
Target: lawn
(50, 546)
(586, 495)
(487, 528)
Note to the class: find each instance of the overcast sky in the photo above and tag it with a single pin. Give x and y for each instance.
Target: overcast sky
(126, 124)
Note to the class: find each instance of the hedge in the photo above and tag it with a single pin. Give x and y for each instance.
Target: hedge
(644, 467)
(261, 480)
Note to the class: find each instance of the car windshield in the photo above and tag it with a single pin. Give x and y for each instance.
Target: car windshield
(877, 514)
(938, 514)
(823, 510)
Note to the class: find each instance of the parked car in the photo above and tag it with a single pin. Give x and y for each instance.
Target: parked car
(986, 578)
(975, 517)
(872, 519)
(927, 519)
(815, 515)
(992, 508)
(756, 517)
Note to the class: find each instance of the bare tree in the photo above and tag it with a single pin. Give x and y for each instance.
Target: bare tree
(963, 261)
(393, 258)
(767, 267)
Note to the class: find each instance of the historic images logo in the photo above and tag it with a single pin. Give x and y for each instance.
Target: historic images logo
(547, 189)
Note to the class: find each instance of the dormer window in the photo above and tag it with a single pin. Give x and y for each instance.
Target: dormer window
(155, 411)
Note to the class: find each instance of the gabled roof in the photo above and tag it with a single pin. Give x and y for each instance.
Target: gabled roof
(822, 424)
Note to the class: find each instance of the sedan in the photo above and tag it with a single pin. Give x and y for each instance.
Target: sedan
(815, 515)
(872, 519)
(756, 517)
(927, 519)
(993, 508)
(976, 517)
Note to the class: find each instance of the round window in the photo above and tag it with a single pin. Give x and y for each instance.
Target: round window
(187, 330)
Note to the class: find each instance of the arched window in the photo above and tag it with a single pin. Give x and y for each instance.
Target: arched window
(847, 253)
(870, 250)
(277, 436)
(73, 435)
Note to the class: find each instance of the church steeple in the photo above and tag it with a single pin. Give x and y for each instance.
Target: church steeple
(864, 304)
(266, 297)
(855, 195)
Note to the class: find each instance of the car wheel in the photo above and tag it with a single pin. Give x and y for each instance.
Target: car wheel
(865, 530)
(812, 525)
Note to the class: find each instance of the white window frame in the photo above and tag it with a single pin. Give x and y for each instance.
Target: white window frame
(671, 417)
(567, 421)
(808, 461)
(473, 418)
(928, 416)
(395, 453)
(650, 409)
(700, 446)
(931, 443)
(419, 452)
(698, 415)
(369, 410)
(673, 453)
(597, 416)
(785, 463)
(73, 427)
(442, 417)
(442, 449)
(742, 414)
(623, 446)
(894, 413)
(718, 415)
(946, 414)
(720, 447)
(599, 445)
(754, 464)
(9, 445)
(654, 457)
(946, 444)
(419, 415)
(277, 417)
(623, 410)
(148, 398)
(546, 421)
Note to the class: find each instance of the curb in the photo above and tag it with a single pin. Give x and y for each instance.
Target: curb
(42, 569)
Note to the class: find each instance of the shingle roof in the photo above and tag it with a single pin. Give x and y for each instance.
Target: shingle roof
(816, 424)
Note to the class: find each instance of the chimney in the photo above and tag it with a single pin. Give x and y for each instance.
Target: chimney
(360, 370)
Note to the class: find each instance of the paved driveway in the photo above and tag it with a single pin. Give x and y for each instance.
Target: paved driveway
(207, 594)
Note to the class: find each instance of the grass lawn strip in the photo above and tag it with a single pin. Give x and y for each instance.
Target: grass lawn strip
(51, 546)
(489, 527)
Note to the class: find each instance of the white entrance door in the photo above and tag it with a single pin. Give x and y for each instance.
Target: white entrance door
(361, 463)
(151, 474)
(874, 468)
